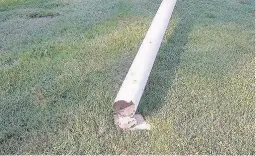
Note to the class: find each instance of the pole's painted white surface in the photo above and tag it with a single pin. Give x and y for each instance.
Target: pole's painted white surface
(137, 76)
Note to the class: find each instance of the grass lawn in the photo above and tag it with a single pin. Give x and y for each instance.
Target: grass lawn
(62, 63)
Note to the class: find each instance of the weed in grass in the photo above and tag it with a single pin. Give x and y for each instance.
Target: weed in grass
(43, 14)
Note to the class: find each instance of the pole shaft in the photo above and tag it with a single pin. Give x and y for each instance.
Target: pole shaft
(130, 93)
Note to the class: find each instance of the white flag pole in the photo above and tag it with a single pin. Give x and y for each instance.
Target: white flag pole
(129, 95)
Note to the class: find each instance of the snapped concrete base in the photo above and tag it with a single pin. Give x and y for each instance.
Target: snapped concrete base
(136, 122)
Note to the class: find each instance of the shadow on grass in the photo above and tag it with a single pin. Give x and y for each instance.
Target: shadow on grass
(163, 74)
